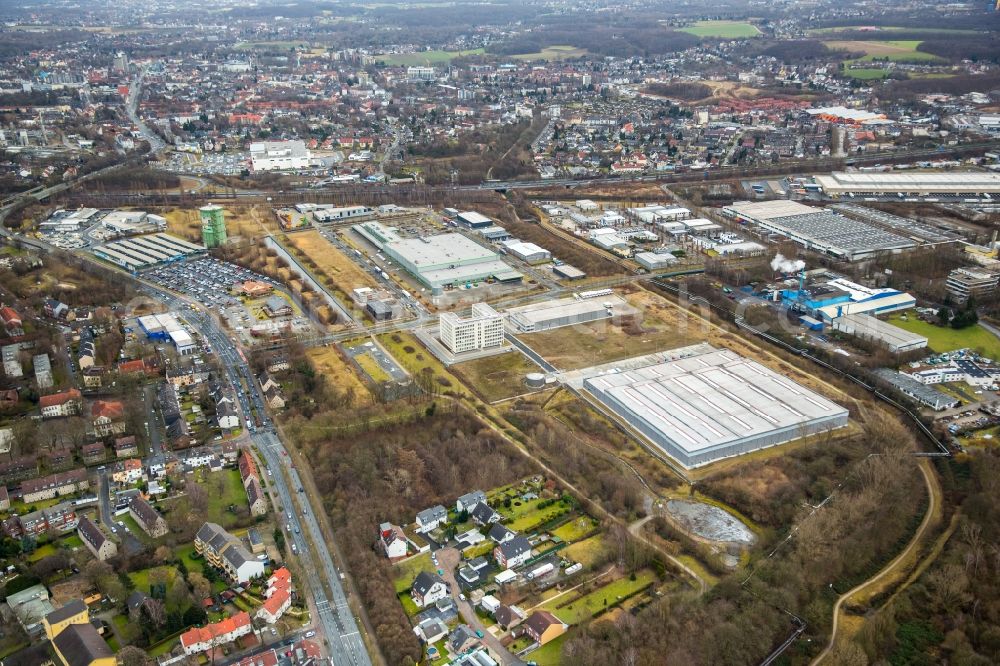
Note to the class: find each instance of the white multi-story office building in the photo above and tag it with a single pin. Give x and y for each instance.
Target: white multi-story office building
(482, 330)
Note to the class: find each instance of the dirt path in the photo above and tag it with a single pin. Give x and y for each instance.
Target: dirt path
(933, 509)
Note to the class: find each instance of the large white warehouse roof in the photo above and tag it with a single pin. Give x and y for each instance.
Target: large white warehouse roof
(715, 405)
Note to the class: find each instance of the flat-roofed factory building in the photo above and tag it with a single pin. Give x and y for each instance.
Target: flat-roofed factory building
(819, 229)
(971, 183)
(867, 327)
(141, 252)
(583, 308)
(442, 260)
(714, 405)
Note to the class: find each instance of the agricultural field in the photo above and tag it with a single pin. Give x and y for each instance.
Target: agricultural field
(867, 73)
(328, 362)
(943, 339)
(553, 53)
(496, 377)
(890, 50)
(880, 29)
(436, 57)
(722, 29)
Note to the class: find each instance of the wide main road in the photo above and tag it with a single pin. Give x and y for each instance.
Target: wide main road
(336, 621)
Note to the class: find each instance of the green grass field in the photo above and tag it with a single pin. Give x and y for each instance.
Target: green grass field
(186, 554)
(941, 339)
(425, 57)
(575, 528)
(232, 493)
(559, 52)
(549, 654)
(722, 29)
(587, 551)
(406, 571)
(867, 73)
(584, 608)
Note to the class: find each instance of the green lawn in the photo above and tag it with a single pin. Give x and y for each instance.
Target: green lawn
(406, 571)
(722, 29)
(584, 608)
(549, 654)
(141, 578)
(575, 528)
(425, 57)
(232, 493)
(186, 555)
(42, 552)
(72, 541)
(866, 73)
(941, 339)
(528, 516)
(586, 551)
(409, 606)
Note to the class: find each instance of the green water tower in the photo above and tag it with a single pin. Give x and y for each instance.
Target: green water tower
(213, 225)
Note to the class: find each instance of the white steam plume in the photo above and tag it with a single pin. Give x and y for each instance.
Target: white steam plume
(780, 264)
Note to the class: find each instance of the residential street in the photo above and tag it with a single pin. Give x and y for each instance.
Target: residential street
(449, 559)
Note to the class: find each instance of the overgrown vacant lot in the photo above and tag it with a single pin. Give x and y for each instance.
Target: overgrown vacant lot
(330, 261)
(496, 377)
(659, 327)
(331, 365)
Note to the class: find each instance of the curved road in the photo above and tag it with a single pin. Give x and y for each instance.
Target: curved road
(933, 493)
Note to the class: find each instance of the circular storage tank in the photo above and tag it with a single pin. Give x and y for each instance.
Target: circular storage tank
(535, 379)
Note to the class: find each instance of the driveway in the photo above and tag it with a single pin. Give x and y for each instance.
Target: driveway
(449, 559)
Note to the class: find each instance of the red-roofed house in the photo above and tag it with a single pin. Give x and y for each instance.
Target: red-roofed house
(11, 321)
(64, 403)
(216, 634)
(108, 417)
(136, 367)
(275, 606)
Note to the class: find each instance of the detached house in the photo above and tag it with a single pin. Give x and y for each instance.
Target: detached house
(468, 501)
(126, 447)
(427, 588)
(393, 541)
(107, 417)
(431, 519)
(483, 514)
(542, 626)
(513, 553)
(11, 321)
(271, 390)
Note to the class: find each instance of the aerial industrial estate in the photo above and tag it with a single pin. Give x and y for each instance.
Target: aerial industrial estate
(499, 334)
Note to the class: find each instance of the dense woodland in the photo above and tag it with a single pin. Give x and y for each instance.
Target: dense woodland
(390, 472)
(951, 614)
